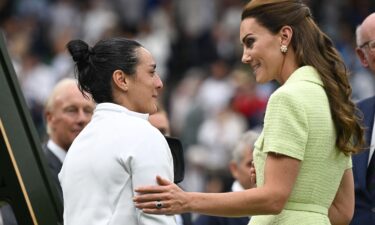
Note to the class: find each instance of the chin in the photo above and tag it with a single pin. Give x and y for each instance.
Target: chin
(260, 80)
(152, 110)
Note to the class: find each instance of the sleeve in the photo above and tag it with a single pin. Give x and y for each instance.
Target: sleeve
(152, 157)
(285, 126)
(349, 164)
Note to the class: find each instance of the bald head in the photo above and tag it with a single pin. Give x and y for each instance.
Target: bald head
(67, 112)
(58, 90)
(365, 37)
(160, 121)
(366, 30)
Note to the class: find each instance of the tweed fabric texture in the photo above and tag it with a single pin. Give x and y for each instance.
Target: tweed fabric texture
(298, 124)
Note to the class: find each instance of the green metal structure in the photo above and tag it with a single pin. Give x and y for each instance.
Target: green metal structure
(24, 177)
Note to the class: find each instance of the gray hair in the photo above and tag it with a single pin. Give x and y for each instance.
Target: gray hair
(358, 35)
(245, 143)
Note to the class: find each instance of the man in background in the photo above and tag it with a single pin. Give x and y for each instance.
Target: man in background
(364, 162)
(67, 112)
(160, 121)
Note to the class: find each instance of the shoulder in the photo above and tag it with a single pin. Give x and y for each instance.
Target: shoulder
(286, 97)
(368, 102)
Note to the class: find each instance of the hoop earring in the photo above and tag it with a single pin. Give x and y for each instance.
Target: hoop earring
(283, 49)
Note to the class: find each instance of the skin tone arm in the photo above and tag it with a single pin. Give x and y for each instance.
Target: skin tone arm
(342, 208)
(280, 175)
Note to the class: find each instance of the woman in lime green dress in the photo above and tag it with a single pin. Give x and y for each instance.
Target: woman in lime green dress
(303, 156)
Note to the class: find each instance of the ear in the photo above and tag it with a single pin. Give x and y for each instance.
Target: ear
(362, 57)
(286, 33)
(233, 169)
(120, 80)
(48, 116)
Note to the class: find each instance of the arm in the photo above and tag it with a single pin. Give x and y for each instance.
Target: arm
(280, 175)
(342, 208)
(149, 159)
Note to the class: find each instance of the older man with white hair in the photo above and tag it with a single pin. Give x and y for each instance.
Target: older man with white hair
(364, 163)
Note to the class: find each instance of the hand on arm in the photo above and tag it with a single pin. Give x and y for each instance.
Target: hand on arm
(280, 175)
(342, 208)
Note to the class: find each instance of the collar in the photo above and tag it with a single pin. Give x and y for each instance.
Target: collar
(59, 152)
(372, 142)
(236, 186)
(112, 107)
(305, 73)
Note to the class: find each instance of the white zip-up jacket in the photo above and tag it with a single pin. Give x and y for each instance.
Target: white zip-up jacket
(116, 152)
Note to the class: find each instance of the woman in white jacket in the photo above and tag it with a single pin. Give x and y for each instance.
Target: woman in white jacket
(119, 149)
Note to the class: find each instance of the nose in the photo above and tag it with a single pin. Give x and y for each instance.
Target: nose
(158, 82)
(246, 57)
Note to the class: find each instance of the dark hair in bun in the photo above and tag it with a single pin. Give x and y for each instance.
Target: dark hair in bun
(95, 66)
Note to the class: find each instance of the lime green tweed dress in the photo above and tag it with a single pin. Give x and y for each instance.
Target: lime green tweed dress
(298, 124)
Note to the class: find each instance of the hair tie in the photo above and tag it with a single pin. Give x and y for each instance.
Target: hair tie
(91, 51)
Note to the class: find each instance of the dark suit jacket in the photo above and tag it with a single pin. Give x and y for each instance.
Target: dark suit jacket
(216, 220)
(364, 202)
(186, 218)
(54, 165)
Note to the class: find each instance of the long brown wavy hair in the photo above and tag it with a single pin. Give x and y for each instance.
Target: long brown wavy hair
(315, 48)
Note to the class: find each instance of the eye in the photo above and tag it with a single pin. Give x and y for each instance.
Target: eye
(88, 110)
(249, 42)
(70, 110)
(371, 44)
(152, 72)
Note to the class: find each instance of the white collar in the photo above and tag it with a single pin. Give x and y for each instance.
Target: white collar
(236, 186)
(372, 143)
(59, 152)
(118, 108)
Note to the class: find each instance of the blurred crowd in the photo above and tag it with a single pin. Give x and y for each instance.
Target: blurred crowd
(211, 99)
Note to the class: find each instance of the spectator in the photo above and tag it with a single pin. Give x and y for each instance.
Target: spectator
(364, 163)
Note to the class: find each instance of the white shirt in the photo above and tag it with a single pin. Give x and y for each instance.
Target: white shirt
(372, 143)
(236, 186)
(59, 152)
(116, 152)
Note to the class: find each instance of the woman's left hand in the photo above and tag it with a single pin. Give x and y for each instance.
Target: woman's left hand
(166, 199)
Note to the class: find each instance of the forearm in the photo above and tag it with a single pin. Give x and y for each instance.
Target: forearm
(342, 208)
(337, 217)
(280, 175)
(235, 204)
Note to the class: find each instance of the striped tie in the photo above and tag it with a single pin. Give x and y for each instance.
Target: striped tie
(371, 175)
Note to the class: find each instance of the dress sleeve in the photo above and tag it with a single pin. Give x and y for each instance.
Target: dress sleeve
(285, 126)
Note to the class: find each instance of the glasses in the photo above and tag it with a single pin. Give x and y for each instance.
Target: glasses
(369, 44)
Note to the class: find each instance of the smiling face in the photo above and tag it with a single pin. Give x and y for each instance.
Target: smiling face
(261, 50)
(144, 85)
(68, 114)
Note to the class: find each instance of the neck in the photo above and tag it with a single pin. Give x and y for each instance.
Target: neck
(288, 66)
